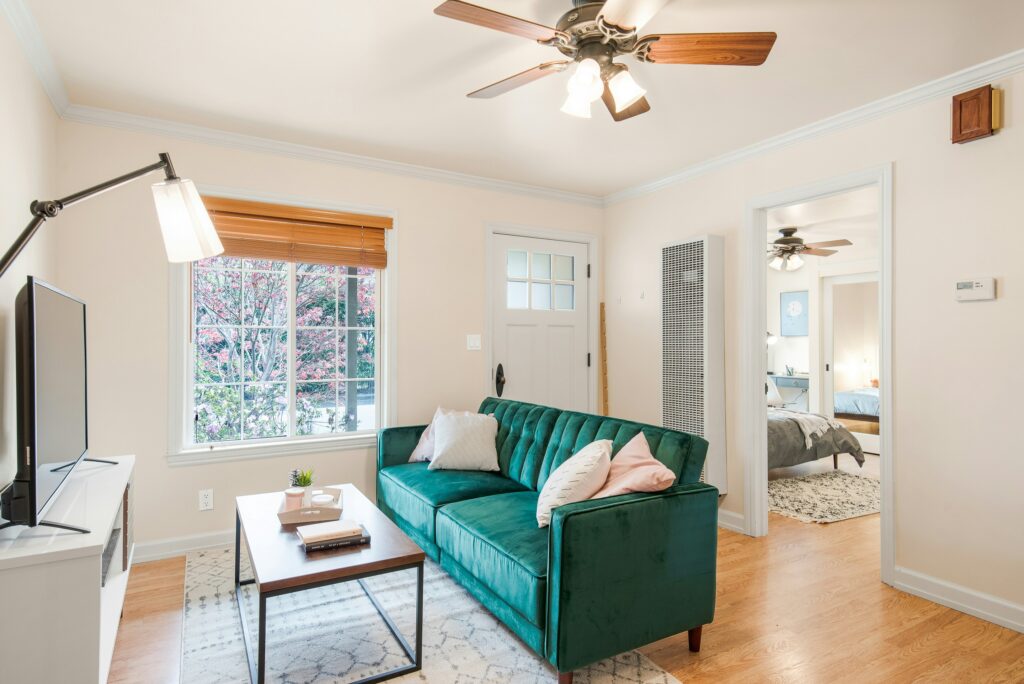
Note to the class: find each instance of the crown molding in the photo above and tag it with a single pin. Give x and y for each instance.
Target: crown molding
(251, 143)
(27, 32)
(972, 77)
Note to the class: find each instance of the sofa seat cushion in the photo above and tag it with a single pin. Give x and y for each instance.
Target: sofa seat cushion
(415, 493)
(496, 539)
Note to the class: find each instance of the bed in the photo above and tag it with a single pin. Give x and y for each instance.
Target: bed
(860, 403)
(787, 445)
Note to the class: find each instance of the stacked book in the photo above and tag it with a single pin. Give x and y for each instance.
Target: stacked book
(332, 534)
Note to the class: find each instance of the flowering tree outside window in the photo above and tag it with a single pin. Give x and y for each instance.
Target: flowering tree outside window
(282, 349)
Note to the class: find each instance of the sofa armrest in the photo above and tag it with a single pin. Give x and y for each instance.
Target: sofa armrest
(628, 570)
(395, 445)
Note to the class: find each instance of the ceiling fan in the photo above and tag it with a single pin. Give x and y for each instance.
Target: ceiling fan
(785, 253)
(593, 34)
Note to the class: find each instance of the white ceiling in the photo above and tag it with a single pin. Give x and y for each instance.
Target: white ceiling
(388, 78)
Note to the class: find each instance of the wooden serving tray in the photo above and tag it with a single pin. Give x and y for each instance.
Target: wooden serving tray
(312, 514)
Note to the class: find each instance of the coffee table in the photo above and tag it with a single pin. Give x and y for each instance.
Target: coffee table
(281, 566)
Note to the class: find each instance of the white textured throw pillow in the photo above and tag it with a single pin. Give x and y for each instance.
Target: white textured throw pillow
(465, 442)
(579, 478)
(424, 450)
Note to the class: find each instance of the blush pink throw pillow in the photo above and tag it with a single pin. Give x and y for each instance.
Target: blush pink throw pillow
(634, 469)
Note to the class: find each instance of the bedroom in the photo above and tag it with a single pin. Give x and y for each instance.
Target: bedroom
(822, 350)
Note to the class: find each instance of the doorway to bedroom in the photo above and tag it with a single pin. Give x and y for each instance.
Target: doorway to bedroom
(819, 421)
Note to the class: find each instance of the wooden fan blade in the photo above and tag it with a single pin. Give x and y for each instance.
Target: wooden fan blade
(818, 252)
(520, 79)
(730, 49)
(630, 15)
(829, 243)
(639, 107)
(481, 16)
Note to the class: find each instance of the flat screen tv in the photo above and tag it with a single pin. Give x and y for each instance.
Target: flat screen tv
(53, 433)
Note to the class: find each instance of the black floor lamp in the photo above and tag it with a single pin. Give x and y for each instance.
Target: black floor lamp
(188, 233)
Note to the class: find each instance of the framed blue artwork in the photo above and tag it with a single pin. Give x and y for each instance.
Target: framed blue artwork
(793, 314)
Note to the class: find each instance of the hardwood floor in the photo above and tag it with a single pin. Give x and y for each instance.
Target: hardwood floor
(802, 605)
(148, 648)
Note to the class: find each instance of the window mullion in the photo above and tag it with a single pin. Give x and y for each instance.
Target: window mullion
(292, 346)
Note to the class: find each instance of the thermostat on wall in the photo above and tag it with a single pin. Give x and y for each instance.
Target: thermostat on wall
(974, 289)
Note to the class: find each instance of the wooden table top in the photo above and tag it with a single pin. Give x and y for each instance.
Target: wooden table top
(280, 562)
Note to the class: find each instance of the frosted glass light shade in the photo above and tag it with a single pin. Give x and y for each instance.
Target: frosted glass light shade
(586, 82)
(577, 105)
(625, 90)
(777, 263)
(794, 262)
(188, 232)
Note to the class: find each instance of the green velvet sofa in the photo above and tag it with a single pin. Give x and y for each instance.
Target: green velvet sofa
(607, 576)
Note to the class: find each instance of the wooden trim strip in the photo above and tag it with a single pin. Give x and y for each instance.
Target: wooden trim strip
(292, 213)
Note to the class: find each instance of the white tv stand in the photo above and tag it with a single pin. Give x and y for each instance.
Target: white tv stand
(58, 612)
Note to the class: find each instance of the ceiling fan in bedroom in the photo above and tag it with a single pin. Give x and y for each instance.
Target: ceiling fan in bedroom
(785, 254)
(592, 34)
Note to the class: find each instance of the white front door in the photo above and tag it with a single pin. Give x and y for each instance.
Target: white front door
(541, 321)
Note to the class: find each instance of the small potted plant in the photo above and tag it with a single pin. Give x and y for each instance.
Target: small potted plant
(298, 494)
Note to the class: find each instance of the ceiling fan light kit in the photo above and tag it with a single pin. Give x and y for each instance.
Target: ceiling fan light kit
(784, 254)
(593, 34)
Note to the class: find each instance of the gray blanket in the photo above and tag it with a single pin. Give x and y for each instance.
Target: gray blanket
(786, 446)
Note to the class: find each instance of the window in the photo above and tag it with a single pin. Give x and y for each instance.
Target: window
(540, 281)
(282, 349)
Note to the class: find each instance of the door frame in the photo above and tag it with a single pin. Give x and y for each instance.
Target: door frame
(826, 319)
(754, 367)
(593, 243)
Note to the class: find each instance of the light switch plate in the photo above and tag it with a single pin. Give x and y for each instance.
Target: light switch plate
(473, 342)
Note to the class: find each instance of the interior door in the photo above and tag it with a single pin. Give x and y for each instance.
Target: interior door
(540, 347)
(851, 338)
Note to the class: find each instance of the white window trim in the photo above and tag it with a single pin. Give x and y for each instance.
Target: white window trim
(179, 356)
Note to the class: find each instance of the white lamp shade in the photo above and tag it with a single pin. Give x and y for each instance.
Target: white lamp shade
(188, 232)
(777, 262)
(625, 90)
(586, 82)
(794, 262)
(577, 105)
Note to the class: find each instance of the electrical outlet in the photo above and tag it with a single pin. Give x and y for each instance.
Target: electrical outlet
(206, 499)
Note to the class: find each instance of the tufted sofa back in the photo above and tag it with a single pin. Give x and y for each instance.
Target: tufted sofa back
(534, 440)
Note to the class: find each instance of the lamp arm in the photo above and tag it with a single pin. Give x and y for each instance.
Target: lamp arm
(47, 209)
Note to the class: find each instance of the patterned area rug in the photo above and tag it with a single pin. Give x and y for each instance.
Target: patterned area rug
(825, 497)
(333, 634)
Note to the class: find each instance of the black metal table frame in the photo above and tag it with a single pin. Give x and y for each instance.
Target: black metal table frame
(258, 663)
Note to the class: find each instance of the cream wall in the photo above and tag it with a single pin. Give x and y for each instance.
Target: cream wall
(958, 471)
(112, 256)
(856, 335)
(28, 137)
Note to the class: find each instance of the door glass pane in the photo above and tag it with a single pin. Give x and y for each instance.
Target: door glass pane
(542, 266)
(516, 264)
(564, 296)
(563, 267)
(541, 295)
(518, 295)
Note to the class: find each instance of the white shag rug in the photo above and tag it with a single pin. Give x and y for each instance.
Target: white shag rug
(824, 497)
(334, 634)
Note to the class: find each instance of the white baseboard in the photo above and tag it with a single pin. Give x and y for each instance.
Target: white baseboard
(179, 546)
(731, 520)
(976, 603)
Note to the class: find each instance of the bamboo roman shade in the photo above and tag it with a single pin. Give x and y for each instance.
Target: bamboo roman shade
(258, 230)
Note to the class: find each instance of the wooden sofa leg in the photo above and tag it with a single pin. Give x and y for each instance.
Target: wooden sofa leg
(694, 637)
(835, 461)
(565, 678)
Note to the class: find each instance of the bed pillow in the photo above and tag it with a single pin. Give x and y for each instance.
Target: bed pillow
(424, 450)
(634, 469)
(465, 442)
(575, 480)
(774, 398)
